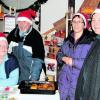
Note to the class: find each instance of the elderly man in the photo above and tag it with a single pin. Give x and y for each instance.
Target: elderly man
(27, 45)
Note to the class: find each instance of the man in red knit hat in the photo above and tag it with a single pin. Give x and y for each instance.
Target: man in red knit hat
(27, 45)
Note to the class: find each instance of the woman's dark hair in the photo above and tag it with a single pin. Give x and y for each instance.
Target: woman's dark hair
(78, 17)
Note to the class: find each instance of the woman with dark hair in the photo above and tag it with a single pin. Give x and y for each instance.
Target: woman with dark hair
(72, 55)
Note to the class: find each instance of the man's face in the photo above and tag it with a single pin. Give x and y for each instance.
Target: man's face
(96, 23)
(3, 48)
(24, 25)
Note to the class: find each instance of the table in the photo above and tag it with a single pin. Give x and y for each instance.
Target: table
(37, 96)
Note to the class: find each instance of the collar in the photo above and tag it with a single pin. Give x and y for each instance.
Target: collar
(86, 38)
(6, 58)
(30, 29)
(22, 34)
(98, 36)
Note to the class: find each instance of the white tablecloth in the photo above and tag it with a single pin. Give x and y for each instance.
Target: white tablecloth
(37, 96)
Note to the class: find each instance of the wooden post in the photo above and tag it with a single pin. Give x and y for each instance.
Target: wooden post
(0, 8)
(71, 11)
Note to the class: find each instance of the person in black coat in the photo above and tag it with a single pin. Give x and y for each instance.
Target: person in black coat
(88, 87)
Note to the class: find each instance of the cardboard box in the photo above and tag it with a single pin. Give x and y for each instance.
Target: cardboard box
(53, 49)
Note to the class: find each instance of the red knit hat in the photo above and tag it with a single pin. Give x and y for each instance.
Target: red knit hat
(2, 36)
(84, 17)
(26, 15)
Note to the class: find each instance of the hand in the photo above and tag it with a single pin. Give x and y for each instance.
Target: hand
(67, 60)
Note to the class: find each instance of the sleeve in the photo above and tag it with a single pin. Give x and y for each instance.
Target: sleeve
(77, 62)
(12, 34)
(59, 56)
(37, 58)
(12, 80)
(36, 66)
(97, 80)
(38, 47)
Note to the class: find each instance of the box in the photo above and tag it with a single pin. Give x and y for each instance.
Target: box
(51, 68)
(37, 87)
(53, 49)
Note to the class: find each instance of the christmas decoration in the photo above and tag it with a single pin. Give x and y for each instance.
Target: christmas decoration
(26, 15)
(34, 6)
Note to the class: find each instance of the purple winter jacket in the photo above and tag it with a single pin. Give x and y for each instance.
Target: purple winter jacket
(68, 75)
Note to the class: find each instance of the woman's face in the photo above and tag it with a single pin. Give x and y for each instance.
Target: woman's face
(23, 26)
(77, 24)
(95, 24)
(3, 48)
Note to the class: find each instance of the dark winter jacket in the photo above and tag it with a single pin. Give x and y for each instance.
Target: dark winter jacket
(29, 50)
(33, 40)
(88, 87)
(11, 64)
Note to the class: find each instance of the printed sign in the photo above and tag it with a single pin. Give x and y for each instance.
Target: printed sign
(9, 23)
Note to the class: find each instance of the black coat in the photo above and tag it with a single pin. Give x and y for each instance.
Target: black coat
(88, 87)
(29, 51)
(33, 39)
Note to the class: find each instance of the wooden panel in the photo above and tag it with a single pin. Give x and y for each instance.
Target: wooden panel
(89, 6)
(60, 24)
